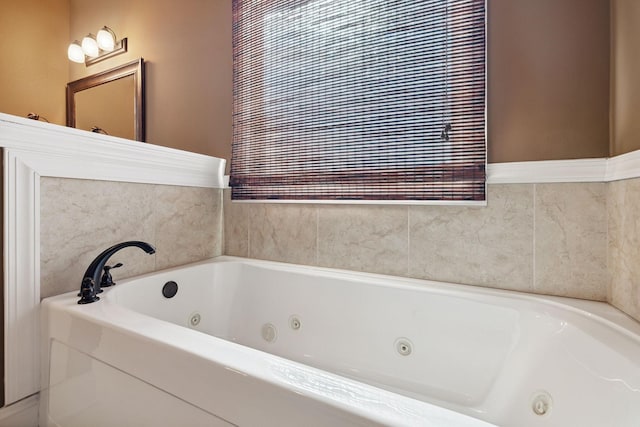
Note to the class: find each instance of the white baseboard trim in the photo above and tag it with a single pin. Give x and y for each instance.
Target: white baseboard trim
(23, 413)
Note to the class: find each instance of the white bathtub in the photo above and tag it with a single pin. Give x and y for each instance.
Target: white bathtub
(257, 343)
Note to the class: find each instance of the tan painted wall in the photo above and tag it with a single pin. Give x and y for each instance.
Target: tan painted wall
(548, 79)
(34, 36)
(625, 70)
(187, 49)
(548, 60)
(548, 88)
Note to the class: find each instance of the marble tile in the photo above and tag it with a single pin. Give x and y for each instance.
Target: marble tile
(364, 238)
(571, 240)
(623, 210)
(283, 232)
(487, 246)
(81, 218)
(236, 226)
(188, 223)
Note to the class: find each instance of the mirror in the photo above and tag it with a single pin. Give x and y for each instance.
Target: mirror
(110, 102)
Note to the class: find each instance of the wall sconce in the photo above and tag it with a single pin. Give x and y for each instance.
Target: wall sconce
(94, 49)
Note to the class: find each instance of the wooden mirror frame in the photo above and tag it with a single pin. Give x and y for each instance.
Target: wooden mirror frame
(135, 69)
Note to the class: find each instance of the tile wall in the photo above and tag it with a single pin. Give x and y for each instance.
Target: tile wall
(542, 238)
(81, 218)
(580, 240)
(623, 209)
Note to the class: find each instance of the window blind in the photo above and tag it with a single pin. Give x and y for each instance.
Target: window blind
(358, 100)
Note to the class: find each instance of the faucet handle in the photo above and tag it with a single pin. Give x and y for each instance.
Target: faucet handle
(106, 279)
(88, 291)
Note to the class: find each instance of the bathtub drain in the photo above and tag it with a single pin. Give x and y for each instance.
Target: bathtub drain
(170, 289)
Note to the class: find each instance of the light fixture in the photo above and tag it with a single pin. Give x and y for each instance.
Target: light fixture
(90, 46)
(106, 39)
(75, 52)
(95, 49)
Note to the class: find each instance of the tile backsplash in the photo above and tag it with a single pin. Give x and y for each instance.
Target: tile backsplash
(81, 218)
(623, 210)
(364, 238)
(486, 246)
(579, 240)
(541, 238)
(571, 240)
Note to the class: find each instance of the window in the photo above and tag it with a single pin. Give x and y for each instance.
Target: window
(359, 100)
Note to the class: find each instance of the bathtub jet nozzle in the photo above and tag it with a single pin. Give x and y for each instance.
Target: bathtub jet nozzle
(90, 286)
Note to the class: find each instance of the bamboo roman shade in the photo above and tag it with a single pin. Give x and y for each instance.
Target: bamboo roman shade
(359, 100)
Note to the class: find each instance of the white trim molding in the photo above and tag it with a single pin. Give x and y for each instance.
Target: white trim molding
(21, 277)
(624, 166)
(581, 170)
(70, 153)
(33, 150)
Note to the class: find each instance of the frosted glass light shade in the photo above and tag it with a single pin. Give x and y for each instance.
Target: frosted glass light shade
(75, 52)
(106, 39)
(90, 46)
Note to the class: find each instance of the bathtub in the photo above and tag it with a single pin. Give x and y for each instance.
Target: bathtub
(258, 343)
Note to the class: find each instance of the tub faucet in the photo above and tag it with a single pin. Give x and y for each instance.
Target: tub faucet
(90, 286)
